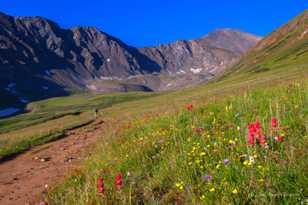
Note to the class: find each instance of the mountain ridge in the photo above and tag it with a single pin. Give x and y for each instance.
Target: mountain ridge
(43, 60)
(285, 45)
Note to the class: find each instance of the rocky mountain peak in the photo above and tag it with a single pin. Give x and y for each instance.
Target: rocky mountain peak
(231, 39)
(42, 59)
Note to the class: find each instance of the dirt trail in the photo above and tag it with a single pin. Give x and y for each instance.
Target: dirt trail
(25, 178)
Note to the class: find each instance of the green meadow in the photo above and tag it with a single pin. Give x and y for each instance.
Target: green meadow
(50, 119)
(167, 154)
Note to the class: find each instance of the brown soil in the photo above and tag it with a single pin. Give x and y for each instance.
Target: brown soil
(25, 178)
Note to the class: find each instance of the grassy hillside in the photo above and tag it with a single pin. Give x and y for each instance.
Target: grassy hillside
(164, 153)
(285, 46)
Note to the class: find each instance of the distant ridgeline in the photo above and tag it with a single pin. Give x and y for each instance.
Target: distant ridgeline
(38, 60)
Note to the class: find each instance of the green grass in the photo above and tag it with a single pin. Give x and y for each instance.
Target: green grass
(51, 118)
(55, 108)
(16, 146)
(164, 160)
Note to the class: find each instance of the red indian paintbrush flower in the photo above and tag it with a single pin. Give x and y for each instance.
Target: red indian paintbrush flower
(251, 138)
(189, 107)
(257, 126)
(251, 134)
(199, 130)
(274, 122)
(262, 139)
(279, 138)
(100, 185)
(118, 181)
(252, 128)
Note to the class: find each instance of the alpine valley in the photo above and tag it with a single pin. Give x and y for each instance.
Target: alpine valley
(39, 60)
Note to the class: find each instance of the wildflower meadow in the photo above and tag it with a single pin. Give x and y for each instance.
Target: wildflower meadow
(249, 148)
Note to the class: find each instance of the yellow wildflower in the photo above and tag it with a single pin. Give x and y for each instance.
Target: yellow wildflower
(235, 191)
(231, 142)
(179, 185)
(247, 163)
(212, 189)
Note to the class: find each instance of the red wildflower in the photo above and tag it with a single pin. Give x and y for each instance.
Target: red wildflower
(262, 139)
(279, 138)
(258, 126)
(118, 181)
(252, 128)
(198, 130)
(189, 107)
(100, 185)
(274, 122)
(251, 138)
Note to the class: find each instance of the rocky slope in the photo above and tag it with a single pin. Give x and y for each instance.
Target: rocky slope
(38, 59)
(205, 57)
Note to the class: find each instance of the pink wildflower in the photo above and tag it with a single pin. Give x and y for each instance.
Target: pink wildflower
(118, 181)
(274, 122)
(100, 185)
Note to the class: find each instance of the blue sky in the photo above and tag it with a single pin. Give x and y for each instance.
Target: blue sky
(152, 22)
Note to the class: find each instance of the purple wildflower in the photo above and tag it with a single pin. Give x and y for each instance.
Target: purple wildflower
(208, 178)
(226, 162)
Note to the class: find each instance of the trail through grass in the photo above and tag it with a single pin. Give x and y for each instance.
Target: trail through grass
(50, 119)
(203, 155)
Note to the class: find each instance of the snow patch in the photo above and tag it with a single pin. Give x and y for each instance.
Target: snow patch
(110, 78)
(105, 78)
(24, 100)
(169, 84)
(47, 72)
(133, 76)
(8, 111)
(11, 85)
(196, 71)
(91, 87)
(181, 72)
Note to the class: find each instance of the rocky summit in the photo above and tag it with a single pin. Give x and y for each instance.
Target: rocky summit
(39, 59)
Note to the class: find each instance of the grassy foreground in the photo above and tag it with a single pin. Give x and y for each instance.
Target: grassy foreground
(203, 156)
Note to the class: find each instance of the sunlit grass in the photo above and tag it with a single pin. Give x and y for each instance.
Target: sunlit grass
(199, 156)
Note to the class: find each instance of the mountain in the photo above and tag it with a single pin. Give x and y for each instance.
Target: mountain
(287, 46)
(38, 59)
(207, 56)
